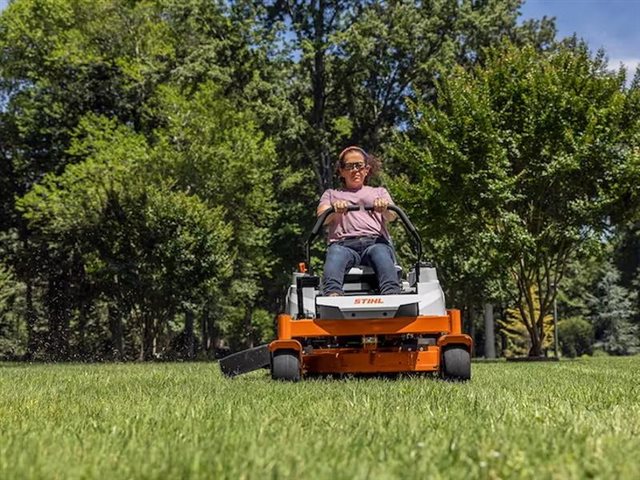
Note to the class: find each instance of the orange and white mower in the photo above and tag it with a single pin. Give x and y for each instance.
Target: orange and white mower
(363, 332)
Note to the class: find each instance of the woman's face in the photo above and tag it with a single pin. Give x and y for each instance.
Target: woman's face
(353, 169)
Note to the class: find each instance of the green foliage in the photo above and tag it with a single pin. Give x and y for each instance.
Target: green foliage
(517, 165)
(101, 57)
(108, 58)
(612, 309)
(7, 289)
(582, 274)
(359, 62)
(264, 325)
(11, 334)
(162, 152)
(594, 290)
(575, 336)
(244, 328)
(215, 151)
(128, 199)
(151, 249)
(101, 66)
(115, 156)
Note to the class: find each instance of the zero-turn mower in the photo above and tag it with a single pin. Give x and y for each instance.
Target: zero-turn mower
(363, 332)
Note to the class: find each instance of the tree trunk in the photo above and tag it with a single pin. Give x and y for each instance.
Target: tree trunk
(468, 319)
(536, 342)
(32, 343)
(204, 331)
(148, 338)
(535, 350)
(204, 334)
(57, 302)
(189, 337)
(531, 310)
(215, 340)
(209, 333)
(82, 350)
(489, 332)
(248, 328)
(116, 330)
(319, 82)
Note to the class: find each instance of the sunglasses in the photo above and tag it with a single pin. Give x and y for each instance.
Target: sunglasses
(353, 166)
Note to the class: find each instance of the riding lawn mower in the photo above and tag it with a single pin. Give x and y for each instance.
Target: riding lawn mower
(362, 332)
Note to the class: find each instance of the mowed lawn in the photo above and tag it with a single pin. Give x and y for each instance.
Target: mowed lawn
(573, 419)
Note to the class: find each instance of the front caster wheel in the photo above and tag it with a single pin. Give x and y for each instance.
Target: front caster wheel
(285, 365)
(456, 364)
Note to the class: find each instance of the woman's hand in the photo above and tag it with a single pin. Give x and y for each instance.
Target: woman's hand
(340, 206)
(380, 205)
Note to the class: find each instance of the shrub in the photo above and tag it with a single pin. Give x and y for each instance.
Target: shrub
(575, 336)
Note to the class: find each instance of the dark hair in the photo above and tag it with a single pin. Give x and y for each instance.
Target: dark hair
(374, 163)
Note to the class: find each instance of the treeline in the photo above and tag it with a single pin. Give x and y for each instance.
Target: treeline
(160, 163)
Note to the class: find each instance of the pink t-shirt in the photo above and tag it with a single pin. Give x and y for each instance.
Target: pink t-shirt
(358, 223)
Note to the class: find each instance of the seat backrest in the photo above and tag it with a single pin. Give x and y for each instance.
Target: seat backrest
(361, 270)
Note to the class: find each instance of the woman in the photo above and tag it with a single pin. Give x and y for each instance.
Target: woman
(358, 237)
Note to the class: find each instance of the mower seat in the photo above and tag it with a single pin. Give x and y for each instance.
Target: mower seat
(364, 280)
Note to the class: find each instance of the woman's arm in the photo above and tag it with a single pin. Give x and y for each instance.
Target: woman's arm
(381, 203)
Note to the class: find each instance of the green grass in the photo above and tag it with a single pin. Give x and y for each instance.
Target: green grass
(572, 419)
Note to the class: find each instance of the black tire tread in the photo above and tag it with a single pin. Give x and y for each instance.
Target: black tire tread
(285, 365)
(457, 364)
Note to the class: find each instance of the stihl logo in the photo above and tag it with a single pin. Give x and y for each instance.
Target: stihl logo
(358, 301)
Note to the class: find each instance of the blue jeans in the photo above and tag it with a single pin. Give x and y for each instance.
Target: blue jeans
(375, 252)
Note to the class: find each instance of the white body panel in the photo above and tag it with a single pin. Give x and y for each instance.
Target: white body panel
(425, 298)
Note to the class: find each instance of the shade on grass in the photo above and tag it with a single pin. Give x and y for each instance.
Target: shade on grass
(572, 419)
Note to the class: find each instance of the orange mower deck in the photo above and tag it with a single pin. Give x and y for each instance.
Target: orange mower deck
(445, 331)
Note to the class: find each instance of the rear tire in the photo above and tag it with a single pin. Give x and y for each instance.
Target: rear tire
(456, 364)
(285, 365)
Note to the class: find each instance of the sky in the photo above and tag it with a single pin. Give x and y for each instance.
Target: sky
(608, 24)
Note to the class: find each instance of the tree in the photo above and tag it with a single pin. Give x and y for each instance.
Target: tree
(521, 164)
(611, 311)
(150, 249)
(63, 59)
(514, 329)
(216, 151)
(360, 61)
